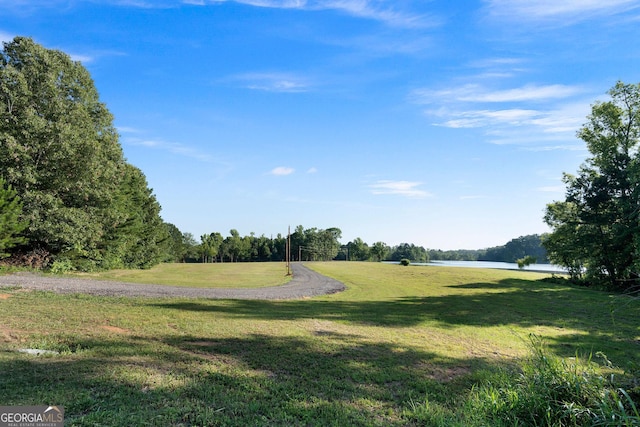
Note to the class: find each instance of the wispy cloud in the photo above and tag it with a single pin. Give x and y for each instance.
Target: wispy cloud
(566, 10)
(30, 6)
(312, 170)
(274, 82)
(479, 93)
(529, 115)
(172, 147)
(380, 10)
(282, 171)
(133, 136)
(401, 188)
(81, 57)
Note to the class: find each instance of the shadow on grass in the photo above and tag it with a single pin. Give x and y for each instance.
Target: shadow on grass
(252, 380)
(603, 324)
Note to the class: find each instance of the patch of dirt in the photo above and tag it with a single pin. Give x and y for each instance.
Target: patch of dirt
(445, 374)
(202, 343)
(8, 336)
(5, 296)
(115, 329)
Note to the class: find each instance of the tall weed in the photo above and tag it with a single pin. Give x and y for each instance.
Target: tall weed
(553, 391)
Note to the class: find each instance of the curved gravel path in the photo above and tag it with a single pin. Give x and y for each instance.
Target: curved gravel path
(305, 283)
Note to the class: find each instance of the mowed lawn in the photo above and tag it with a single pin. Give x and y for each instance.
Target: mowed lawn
(399, 343)
(216, 275)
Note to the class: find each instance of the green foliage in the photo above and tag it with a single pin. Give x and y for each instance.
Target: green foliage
(358, 250)
(596, 229)
(553, 391)
(138, 237)
(526, 261)
(61, 266)
(10, 224)
(409, 251)
(517, 248)
(210, 246)
(315, 244)
(405, 261)
(60, 152)
(379, 251)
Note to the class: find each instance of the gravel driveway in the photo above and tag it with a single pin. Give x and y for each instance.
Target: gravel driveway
(305, 283)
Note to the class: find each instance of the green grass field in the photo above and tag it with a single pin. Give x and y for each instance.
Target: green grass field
(402, 346)
(220, 275)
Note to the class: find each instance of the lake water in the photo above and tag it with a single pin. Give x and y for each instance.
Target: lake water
(490, 264)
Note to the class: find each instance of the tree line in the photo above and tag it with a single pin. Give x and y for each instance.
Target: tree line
(313, 244)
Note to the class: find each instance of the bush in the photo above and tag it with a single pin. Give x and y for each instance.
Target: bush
(61, 266)
(552, 391)
(405, 262)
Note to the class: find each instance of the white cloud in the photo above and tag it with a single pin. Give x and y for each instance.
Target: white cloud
(127, 129)
(378, 10)
(82, 58)
(482, 118)
(545, 117)
(402, 188)
(312, 170)
(172, 147)
(567, 10)
(561, 147)
(478, 93)
(282, 171)
(274, 82)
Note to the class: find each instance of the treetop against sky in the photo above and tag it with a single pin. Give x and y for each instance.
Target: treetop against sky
(445, 124)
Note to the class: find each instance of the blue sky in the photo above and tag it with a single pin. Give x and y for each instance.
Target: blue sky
(444, 124)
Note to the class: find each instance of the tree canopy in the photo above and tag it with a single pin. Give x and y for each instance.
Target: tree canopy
(60, 152)
(596, 229)
(10, 224)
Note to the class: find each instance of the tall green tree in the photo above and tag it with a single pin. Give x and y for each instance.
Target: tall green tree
(139, 237)
(190, 247)
(60, 152)
(410, 252)
(596, 228)
(210, 246)
(10, 224)
(379, 251)
(358, 250)
(176, 248)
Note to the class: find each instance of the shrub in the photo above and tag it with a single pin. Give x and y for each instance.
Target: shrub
(405, 262)
(552, 391)
(61, 266)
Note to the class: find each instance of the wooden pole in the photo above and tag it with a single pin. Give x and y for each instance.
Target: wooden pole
(288, 251)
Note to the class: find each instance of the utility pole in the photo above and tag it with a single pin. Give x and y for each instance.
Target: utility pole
(288, 252)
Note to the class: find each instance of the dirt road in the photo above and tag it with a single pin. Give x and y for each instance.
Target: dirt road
(305, 283)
